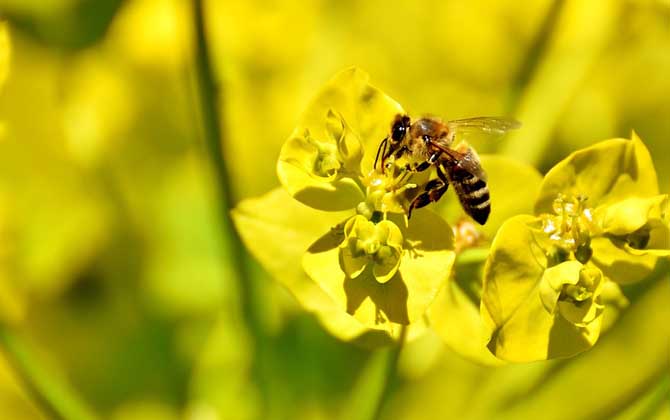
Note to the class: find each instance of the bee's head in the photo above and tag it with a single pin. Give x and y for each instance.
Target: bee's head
(399, 128)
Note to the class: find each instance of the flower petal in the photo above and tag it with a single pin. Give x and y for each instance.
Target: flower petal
(292, 227)
(427, 260)
(520, 328)
(319, 164)
(631, 214)
(618, 263)
(553, 280)
(384, 270)
(404, 298)
(456, 318)
(638, 234)
(324, 190)
(658, 242)
(352, 265)
(605, 173)
(277, 230)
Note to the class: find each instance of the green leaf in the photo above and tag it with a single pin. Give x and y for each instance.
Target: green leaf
(319, 164)
(605, 173)
(521, 328)
(425, 265)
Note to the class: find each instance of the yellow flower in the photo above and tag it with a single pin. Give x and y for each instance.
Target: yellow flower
(374, 270)
(572, 290)
(600, 222)
(367, 243)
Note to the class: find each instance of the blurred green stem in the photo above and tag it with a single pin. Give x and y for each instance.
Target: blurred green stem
(374, 383)
(54, 396)
(555, 71)
(534, 54)
(210, 105)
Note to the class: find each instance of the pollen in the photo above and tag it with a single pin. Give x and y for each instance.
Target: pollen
(571, 226)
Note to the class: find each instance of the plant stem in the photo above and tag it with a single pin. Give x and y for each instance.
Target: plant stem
(211, 109)
(554, 71)
(210, 104)
(56, 398)
(535, 52)
(374, 383)
(390, 373)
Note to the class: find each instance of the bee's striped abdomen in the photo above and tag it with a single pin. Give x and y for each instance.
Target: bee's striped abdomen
(473, 193)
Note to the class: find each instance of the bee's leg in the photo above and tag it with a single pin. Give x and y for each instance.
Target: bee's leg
(427, 163)
(381, 150)
(400, 151)
(441, 175)
(433, 191)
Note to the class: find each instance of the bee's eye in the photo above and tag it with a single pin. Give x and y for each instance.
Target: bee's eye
(398, 131)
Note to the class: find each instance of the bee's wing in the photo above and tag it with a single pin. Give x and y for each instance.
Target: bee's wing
(464, 157)
(469, 160)
(490, 125)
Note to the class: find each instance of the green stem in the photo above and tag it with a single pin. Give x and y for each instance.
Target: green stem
(210, 104)
(210, 109)
(374, 383)
(535, 52)
(56, 398)
(554, 72)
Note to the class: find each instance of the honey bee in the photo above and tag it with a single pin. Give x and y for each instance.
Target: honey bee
(427, 142)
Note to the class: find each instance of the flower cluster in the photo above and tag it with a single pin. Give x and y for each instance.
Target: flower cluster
(534, 283)
(600, 222)
(376, 271)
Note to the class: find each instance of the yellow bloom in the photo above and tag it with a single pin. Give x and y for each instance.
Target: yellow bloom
(376, 269)
(600, 222)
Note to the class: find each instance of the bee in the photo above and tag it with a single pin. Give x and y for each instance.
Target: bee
(427, 142)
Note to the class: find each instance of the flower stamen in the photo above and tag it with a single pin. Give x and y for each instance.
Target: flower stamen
(570, 226)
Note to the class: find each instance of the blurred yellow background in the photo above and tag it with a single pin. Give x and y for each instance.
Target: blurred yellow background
(114, 264)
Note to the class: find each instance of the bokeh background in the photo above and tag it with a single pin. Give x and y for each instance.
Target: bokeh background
(117, 278)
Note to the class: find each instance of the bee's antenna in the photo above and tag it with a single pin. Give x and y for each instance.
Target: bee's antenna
(382, 145)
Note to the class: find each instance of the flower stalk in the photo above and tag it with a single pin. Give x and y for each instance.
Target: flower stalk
(374, 383)
(209, 95)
